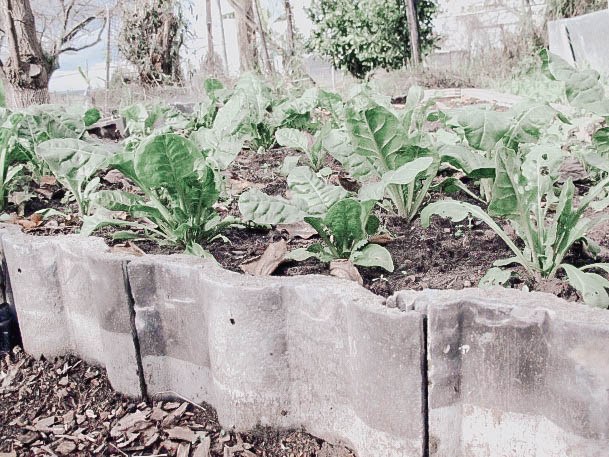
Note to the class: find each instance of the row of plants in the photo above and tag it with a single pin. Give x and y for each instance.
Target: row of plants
(502, 167)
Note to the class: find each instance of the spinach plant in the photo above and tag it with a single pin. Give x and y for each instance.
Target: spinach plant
(344, 231)
(343, 223)
(394, 157)
(178, 191)
(75, 163)
(303, 141)
(546, 221)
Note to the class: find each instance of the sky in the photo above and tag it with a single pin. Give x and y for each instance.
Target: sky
(92, 60)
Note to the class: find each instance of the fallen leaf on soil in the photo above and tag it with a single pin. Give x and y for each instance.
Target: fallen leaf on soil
(298, 230)
(239, 185)
(8, 454)
(268, 262)
(47, 180)
(128, 248)
(46, 193)
(346, 270)
(382, 239)
(34, 221)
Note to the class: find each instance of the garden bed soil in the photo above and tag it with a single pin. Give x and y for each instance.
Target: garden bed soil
(443, 256)
(67, 407)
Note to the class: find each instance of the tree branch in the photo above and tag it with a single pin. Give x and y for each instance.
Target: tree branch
(12, 42)
(84, 46)
(77, 28)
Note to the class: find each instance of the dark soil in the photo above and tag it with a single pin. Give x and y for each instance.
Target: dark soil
(67, 407)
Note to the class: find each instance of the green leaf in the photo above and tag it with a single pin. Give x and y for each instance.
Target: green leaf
(260, 208)
(295, 139)
(344, 220)
(165, 161)
(74, 163)
(600, 140)
(317, 194)
(376, 133)
(289, 163)
(591, 286)
(472, 163)
(483, 128)
(373, 255)
(92, 115)
(508, 187)
(495, 277)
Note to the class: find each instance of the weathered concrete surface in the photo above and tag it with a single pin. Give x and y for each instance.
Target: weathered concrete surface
(70, 297)
(287, 352)
(515, 374)
(582, 40)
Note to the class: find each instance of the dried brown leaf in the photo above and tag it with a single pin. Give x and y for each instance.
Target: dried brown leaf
(47, 180)
(381, 238)
(298, 230)
(128, 248)
(345, 269)
(268, 262)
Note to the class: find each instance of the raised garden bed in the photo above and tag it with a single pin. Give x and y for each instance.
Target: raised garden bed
(388, 367)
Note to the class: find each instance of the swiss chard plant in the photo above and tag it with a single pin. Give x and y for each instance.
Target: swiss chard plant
(75, 163)
(393, 157)
(345, 230)
(177, 193)
(547, 221)
(343, 223)
(303, 141)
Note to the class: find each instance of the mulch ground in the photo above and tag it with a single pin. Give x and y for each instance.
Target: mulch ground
(67, 407)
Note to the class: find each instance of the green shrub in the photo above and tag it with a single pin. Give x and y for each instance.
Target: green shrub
(361, 35)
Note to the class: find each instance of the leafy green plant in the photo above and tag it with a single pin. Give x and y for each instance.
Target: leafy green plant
(344, 231)
(91, 116)
(394, 157)
(311, 145)
(178, 192)
(74, 163)
(583, 88)
(546, 221)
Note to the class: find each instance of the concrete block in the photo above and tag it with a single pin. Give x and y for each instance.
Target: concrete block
(515, 374)
(582, 40)
(70, 297)
(286, 352)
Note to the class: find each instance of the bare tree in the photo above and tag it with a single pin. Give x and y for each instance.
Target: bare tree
(33, 54)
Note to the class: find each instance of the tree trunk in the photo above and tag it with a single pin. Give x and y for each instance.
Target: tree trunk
(265, 56)
(22, 97)
(246, 34)
(413, 29)
(210, 33)
(289, 16)
(222, 37)
(27, 70)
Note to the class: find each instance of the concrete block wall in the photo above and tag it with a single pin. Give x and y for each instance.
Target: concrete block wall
(582, 40)
(441, 373)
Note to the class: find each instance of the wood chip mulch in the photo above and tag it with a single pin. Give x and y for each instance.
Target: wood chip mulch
(66, 407)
